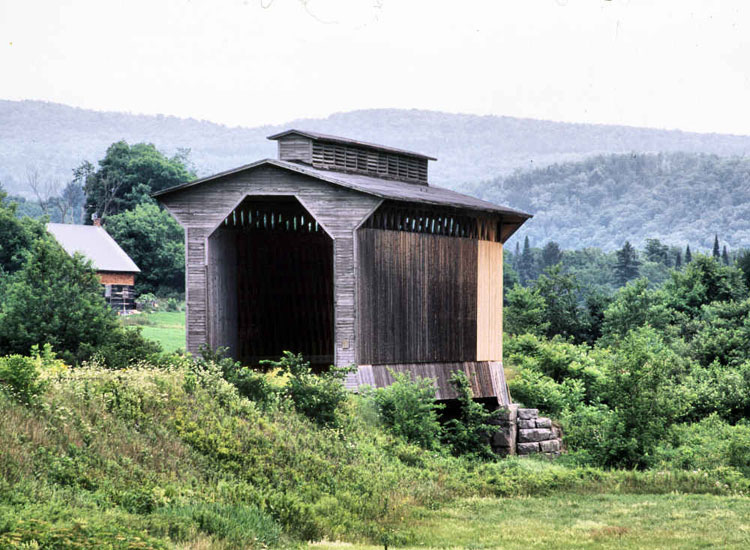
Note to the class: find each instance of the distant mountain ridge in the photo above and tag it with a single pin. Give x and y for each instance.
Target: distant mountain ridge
(55, 138)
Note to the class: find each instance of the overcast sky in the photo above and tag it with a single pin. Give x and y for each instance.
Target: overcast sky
(667, 64)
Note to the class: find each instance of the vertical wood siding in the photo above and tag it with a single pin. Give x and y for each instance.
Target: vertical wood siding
(295, 148)
(489, 301)
(487, 378)
(222, 290)
(196, 329)
(417, 297)
(200, 209)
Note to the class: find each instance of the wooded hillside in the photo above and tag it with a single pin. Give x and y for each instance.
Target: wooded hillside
(603, 201)
(56, 138)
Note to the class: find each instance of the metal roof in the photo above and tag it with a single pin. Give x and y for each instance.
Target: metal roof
(95, 244)
(386, 189)
(347, 141)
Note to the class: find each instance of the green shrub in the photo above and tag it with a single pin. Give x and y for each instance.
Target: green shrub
(469, 433)
(317, 396)
(407, 408)
(645, 389)
(536, 390)
(707, 444)
(23, 376)
(254, 385)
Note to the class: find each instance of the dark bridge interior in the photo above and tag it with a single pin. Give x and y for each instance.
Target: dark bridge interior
(274, 265)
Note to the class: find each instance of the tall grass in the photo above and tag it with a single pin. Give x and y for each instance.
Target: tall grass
(154, 457)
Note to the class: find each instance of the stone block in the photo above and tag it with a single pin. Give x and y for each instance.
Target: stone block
(506, 414)
(543, 423)
(528, 448)
(556, 432)
(528, 414)
(534, 434)
(527, 424)
(550, 446)
(505, 437)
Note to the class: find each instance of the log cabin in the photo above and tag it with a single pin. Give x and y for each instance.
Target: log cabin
(342, 251)
(115, 268)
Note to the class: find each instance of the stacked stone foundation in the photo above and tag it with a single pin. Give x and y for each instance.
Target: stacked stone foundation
(523, 432)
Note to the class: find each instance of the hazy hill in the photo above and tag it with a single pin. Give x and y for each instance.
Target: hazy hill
(602, 201)
(55, 138)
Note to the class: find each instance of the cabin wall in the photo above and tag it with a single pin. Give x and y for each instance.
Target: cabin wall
(116, 278)
(417, 297)
(200, 210)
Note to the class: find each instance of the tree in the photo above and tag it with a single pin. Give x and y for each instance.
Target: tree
(725, 256)
(44, 191)
(716, 252)
(743, 263)
(560, 294)
(688, 255)
(645, 392)
(657, 252)
(57, 299)
(551, 254)
(16, 236)
(678, 260)
(151, 237)
(525, 312)
(526, 263)
(627, 264)
(71, 202)
(127, 175)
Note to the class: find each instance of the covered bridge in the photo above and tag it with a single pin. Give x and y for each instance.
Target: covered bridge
(341, 250)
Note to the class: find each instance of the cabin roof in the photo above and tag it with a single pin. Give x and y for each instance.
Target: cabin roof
(95, 244)
(386, 189)
(316, 136)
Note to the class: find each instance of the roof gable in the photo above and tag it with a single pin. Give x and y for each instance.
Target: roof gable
(95, 244)
(386, 189)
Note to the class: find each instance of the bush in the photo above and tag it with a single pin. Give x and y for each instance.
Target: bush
(256, 386)
(317, 396)
(23, 376)
(407, 408)
(469, 433)
(707, 444)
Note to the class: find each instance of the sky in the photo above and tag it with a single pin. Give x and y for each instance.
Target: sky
(669, 64)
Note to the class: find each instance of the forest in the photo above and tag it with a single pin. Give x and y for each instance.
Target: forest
(639, 352)
(53, 139)
(603, 201)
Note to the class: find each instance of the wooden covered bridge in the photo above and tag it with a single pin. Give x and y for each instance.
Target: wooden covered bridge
(341, 251)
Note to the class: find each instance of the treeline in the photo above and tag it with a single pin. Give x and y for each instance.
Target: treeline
(679, 198)
(599, 271)
(653, 373)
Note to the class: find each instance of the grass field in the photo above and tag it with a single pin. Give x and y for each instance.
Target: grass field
(591, 522)
(167, 328)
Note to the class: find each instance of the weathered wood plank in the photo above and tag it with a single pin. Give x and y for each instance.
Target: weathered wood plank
(490, 301)
(486, 377)
(417, 297)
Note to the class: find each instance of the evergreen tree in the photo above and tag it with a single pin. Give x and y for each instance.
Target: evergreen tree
(717, 252)
(657, 252)
(725, 255)
(678, 260)
(626, 267)
(688, 255)
(551, 254)
(526, 263)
